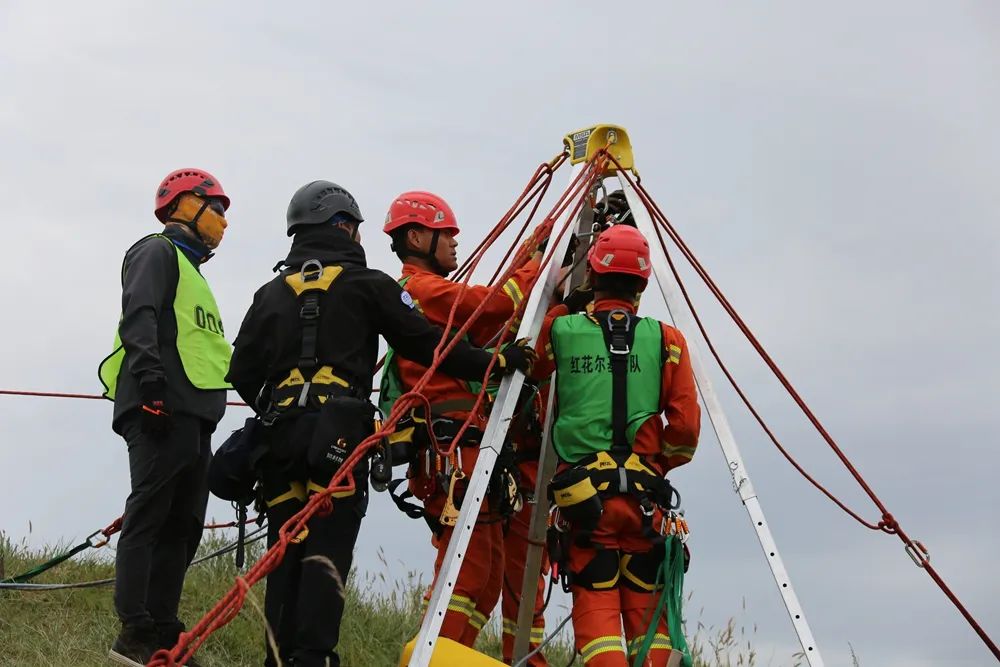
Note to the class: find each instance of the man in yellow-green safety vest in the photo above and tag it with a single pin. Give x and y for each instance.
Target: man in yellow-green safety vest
(166, 376)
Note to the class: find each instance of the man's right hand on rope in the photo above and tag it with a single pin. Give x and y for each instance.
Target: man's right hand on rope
(156, 418)
(532, 248)
(516, 356)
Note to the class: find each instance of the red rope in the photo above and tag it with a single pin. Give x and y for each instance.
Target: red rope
(48, 394)
(54, 394)
(888, 523)
(746, 400)
(536, 187)
(574, 193)
(228, 607)
(92, 397)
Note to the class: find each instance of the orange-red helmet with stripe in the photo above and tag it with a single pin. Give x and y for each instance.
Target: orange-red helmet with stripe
(621, 249)
(420, 208)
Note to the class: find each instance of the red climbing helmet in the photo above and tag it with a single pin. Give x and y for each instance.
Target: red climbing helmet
(420, 208)
(621, 249)
(178, 182)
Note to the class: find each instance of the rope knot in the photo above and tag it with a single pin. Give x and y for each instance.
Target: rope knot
(325, 506)
(888, 524)
(162, 658)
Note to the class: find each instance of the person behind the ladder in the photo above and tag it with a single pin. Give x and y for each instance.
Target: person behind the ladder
(615, 374)
(166, 377)
(526, 435)
(423, 230)
(305, 358)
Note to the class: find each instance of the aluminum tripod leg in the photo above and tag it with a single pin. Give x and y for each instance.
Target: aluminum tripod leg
(496, 431)
(680, 314)
(547, 461)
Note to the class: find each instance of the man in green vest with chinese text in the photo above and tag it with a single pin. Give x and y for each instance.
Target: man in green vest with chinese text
(626, 415)
(166, 376)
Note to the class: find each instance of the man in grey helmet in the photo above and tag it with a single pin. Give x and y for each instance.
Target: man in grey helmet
(305, 359)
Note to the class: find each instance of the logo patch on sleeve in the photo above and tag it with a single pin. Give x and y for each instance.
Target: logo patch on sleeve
(407, 300)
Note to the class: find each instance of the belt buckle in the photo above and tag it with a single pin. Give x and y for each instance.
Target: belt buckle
(434, 429)
(624, 349)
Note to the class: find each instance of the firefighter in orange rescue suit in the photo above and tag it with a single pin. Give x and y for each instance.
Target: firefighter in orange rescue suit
(615, 374)
(423, 230)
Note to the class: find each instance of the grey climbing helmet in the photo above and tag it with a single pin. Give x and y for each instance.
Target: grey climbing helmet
(317, 203)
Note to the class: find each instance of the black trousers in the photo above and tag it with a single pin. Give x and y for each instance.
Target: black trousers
(164, 516)
(304, 602)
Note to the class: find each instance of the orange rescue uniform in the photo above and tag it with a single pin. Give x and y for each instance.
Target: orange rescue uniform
(527, 445)
(480, 580)
(619, 548)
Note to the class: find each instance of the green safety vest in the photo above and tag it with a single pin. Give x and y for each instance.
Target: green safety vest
(201, 341)
(391, 385)
(583, 423)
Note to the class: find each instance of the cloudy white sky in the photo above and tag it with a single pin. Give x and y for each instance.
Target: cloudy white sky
(835, 165)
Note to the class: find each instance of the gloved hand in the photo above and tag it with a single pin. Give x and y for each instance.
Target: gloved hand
(156, 418)
(578, 299)
(617, 206)
(574, 243)
(532, 247)
(517, 356)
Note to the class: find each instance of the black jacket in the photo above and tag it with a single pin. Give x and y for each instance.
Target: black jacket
(359, 306)
(148, 330)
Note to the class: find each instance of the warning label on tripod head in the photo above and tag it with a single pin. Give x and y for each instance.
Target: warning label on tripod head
(580, 140)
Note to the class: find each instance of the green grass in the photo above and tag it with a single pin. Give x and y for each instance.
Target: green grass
(76, 627)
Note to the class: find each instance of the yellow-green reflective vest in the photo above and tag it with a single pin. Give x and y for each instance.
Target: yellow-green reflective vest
(583, 422)
(201, 341)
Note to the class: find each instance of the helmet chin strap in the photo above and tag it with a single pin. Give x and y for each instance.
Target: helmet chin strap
(430, 256)
(192, 226)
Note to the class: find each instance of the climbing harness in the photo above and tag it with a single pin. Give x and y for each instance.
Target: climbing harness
(343, 415)
(596, 152)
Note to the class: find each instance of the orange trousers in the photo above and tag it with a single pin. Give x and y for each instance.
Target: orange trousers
(614, 588)
(477, 589)
(515, 553)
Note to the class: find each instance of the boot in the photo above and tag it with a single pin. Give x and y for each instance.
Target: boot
(135, 644)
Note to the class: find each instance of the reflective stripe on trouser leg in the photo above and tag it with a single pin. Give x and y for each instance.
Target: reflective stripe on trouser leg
(597, 623)
(515, 546)
(537, 631)
(490, 536)
(478, 620)
(472, 583)
(459, 616)
(636, 608)
(661, 642)
(537, 637)
(604, 650)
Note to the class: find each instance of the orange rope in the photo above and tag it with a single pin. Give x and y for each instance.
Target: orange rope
(230, 604)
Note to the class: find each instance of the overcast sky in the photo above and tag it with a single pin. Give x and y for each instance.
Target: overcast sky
(834, 165)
